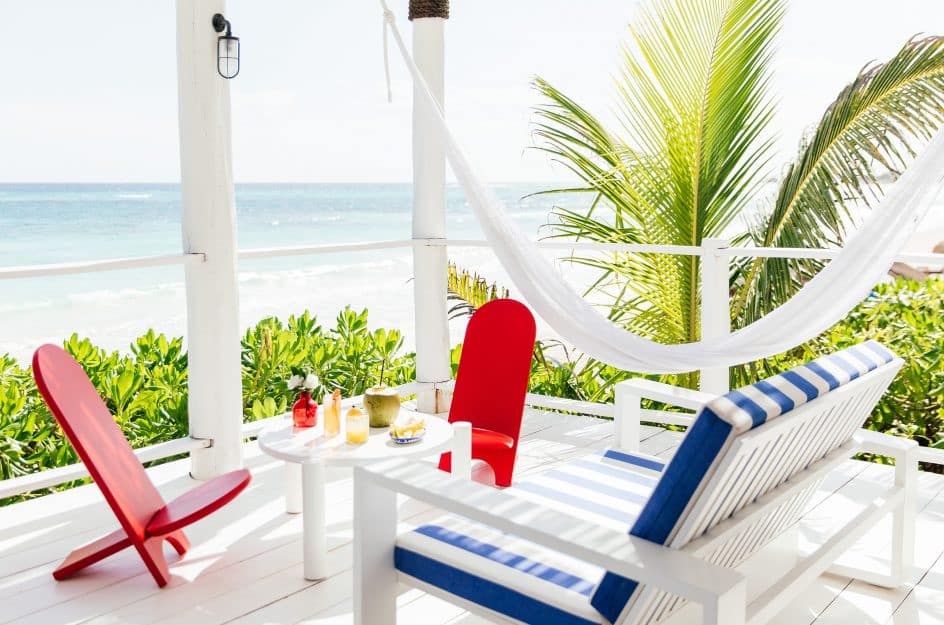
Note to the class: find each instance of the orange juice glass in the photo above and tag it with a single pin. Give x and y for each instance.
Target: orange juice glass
(356, 427)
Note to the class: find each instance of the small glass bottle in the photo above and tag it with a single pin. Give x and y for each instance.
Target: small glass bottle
(332, 414)
(356, 426)
(305, 411)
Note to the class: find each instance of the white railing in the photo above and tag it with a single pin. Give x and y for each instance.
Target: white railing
(715, 319)
(96, 266)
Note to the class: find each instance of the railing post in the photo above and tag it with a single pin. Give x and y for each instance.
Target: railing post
(715, 308)
(429, 210)
(627, 416)
(208, 226)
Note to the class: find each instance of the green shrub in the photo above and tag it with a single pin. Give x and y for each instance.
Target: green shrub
(907, 317)
(146, 390)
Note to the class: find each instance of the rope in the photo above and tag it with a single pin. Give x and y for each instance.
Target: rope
(389, 21)
(429, 8)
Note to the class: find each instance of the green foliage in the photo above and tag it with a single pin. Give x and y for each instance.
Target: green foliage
(908, 317)
(556, 370)
(146, 390)
(688, 149)
(469, 291)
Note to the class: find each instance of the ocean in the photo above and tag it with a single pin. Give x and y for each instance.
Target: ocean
(57, 223)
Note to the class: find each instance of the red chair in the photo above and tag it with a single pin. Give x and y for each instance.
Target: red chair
(492, 382)
(146, 520)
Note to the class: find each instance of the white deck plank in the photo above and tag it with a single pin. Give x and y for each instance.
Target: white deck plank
(245, 565)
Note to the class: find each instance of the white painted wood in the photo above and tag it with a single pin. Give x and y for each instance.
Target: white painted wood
(778, 596)
(715, 308)
(314, 534)
(375, 532)
(628, 407)
(246, 565)
(429, 219)
(293, 488)
(728, 609)
(61, 475)
(903, 520)
(209, 227)
(462, 449)
(309, 448)
(569, 405)
(95, 266)
(668, 394)
(314, 250)
(621, 553)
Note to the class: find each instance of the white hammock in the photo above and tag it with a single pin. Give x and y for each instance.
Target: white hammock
(822, 302)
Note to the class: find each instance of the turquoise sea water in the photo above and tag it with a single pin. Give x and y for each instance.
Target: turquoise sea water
(56, 223)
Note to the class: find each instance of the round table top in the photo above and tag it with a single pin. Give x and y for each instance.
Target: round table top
(303, 445)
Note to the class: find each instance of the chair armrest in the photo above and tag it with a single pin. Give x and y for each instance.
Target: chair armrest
(666, 393)
(672, 570)
(881, 444)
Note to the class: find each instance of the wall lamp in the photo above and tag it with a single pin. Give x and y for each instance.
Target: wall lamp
(227, 48)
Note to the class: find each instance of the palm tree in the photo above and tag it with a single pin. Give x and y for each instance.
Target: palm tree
(691, 147)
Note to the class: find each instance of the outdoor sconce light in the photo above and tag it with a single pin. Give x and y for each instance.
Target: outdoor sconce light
(227, 48)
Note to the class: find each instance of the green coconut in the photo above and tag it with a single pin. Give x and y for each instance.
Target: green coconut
(382, 404)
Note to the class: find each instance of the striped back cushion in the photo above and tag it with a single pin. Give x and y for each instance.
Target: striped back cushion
(716, 427)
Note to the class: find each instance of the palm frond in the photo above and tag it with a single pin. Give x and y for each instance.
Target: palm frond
(867, 135)
(693, 111)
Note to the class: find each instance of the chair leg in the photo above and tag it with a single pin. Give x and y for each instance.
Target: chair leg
(91, 553)
(445, 462)
(503, 465)
(179, 541)
(152, 552)
(903, 519)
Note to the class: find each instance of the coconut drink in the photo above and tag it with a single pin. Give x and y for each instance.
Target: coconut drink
(382, 404)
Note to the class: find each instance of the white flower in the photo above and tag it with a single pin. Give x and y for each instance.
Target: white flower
(311, 381)
(294, 382)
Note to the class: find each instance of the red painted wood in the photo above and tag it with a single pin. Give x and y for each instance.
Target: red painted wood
(198, 502)
(89, 554)
(129, 492)
(492, 382)
(97, 439)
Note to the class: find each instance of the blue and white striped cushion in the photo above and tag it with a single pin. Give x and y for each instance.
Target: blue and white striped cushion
(752, 405)
(718, 423)
(520, 579)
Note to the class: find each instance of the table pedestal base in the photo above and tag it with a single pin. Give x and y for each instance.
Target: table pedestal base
(314, 532)
(293, 488)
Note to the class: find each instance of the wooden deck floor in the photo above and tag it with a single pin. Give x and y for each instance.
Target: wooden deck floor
(246, 564)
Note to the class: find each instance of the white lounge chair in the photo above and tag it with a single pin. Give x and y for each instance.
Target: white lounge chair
(620, 537)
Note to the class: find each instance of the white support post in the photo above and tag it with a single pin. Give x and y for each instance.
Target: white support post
(903, 519)
(715, 308)
(375, 535)
(209, 227)
(462, 449)
(627, 417)
(727, 609)
(429, 221)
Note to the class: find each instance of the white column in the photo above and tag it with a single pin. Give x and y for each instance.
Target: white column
(715, 308)
(209, 226)
(429, 221)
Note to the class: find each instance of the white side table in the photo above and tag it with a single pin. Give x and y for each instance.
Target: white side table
(307, 452)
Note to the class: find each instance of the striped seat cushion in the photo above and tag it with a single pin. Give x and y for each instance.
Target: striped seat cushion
(717, 425)
(517, 578)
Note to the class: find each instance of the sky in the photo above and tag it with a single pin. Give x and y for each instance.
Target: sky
(89, 89)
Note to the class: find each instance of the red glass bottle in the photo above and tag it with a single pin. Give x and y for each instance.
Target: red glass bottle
(305, 411)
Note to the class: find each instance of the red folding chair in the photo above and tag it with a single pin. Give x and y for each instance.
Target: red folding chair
(146, 520)
(492, 382)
